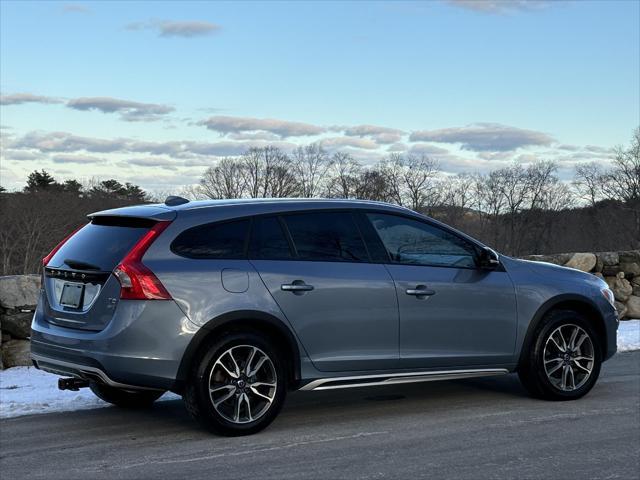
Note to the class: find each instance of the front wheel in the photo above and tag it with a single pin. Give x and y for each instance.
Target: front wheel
(238, 385)
(564, 359)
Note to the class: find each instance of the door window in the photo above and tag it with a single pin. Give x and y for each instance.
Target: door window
(413, 242)
(326, 236)
(268, 241)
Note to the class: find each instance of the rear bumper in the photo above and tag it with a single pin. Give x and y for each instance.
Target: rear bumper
(141, 347)
(79, 370)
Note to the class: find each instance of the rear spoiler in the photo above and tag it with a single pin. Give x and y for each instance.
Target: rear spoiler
(149, 212)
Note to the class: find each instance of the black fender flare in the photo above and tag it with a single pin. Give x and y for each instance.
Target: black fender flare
(252, 318)
(585, 303)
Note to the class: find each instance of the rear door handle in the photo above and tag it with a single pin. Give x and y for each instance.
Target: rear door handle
(420, 291)
(297, 287)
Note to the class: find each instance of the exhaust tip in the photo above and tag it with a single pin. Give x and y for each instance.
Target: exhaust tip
(73, 384)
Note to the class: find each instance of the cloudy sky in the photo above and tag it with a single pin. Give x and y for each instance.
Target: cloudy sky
(153, 93)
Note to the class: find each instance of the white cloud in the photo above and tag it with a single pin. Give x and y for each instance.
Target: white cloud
(382, 135)
(397, 147)
(152, 162)
(75, 8)
(19, 155)
(283, 128)
(335, 143)
(498, 7)
(427, 149)
(64, 142)
(480, 137)
(20, 98)
(173, 28)
(128, 110)
(80, 159)
(253, 136)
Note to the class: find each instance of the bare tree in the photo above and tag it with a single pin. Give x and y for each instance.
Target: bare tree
(226, 179)
(193, 192)
(456, 196)
(539, 178)
(268, 173)
(490, 203)
(623, 180)
(310, 166)
(419, 181)
(373, 184)
(588, 182)
(343, 174)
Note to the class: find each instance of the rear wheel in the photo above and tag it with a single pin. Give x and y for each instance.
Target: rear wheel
(238, 385)
(125, 398)
(564, 360)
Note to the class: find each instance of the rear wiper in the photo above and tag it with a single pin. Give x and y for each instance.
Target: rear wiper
(80, 265)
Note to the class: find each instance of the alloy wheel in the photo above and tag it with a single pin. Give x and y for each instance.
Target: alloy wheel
(242, 384)
(568, 357)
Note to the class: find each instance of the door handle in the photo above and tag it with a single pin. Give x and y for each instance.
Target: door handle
(420, 291)
(297, 287)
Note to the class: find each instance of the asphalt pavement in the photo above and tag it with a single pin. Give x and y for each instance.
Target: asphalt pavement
(468, 429)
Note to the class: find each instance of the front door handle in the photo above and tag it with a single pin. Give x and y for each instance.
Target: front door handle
(297, 287)
(420, 291)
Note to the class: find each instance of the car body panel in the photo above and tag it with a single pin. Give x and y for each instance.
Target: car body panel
(142, 345)
(540, 286)
(471, 319)
(349, 329)
(349, 321)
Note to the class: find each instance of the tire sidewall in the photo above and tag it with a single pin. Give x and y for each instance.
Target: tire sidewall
(556, 320)
(208, 414)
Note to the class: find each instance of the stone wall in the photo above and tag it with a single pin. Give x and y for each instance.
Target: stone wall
(621, 270)
(18, 297)
(19, 294)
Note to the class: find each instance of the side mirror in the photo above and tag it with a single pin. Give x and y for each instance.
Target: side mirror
(489, 259)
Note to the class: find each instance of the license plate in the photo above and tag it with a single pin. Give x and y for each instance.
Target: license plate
(72, 295)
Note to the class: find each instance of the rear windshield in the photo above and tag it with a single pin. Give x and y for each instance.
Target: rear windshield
(101, 244)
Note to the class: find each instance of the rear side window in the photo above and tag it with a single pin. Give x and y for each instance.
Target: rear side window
(213, 240)
(327, 236)
(268, 241)
(101, 244)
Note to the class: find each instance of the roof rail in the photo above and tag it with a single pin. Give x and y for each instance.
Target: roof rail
(174, 201)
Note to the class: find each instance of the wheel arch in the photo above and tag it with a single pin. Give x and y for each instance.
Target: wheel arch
(254, 320)
(578, 303)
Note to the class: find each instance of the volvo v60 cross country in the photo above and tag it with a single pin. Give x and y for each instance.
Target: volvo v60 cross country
(233, 303)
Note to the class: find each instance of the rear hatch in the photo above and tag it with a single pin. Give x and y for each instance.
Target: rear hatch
(80, 289)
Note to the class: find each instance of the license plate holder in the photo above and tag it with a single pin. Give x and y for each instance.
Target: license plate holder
(72, 294)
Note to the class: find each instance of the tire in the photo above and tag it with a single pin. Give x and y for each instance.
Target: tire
(562, 363)
(125, 398)
(244, 403)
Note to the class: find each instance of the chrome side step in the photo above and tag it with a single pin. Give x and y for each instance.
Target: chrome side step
(396, 378)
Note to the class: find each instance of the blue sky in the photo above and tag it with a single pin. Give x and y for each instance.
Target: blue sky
(154, 92)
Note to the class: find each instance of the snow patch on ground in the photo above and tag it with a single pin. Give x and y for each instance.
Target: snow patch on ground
(27, 391)
(629, 335)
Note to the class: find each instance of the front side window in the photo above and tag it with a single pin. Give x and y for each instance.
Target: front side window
(213, 241)
(326, 236)
(413, 242)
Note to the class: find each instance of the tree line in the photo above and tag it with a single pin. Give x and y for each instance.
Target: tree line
(516, 209)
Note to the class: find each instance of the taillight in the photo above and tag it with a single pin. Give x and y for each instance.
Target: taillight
(48, 258)
(137, 282)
